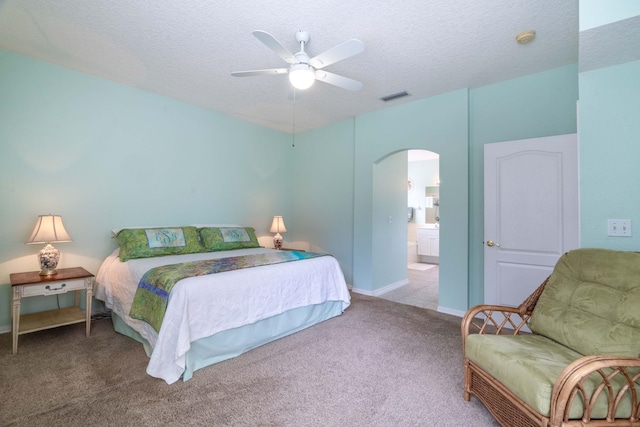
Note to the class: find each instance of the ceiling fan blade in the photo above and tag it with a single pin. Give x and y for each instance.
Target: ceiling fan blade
(260, 72)
(340, 81)
(337, 53)
(276, 46)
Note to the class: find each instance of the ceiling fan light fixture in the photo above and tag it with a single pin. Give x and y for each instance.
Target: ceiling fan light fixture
(301, 76)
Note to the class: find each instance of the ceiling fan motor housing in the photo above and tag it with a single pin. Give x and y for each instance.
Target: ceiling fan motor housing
(302, 57)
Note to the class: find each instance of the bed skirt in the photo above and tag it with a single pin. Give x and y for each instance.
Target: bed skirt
(233, 342)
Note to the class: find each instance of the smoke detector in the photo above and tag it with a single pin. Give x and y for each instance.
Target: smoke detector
(525, 37)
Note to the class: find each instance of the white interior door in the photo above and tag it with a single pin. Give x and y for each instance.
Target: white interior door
(531, 213)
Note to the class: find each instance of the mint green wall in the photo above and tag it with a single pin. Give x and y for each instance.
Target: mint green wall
(115, 155)
(609, 154)
(322, 197)
(389, 220)
(609, 129)
(437, 124)
(104, 155)
(537, 105)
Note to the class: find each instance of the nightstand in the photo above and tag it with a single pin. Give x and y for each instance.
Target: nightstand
(24, 285)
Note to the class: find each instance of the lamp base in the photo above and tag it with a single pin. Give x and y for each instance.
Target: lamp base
(277, 241)
(48, 272)
(48, 257)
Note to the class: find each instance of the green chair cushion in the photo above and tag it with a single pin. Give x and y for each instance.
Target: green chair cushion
(529, 365)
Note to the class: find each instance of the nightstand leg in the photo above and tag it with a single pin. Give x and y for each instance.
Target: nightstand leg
(15, 318)
(87, 305)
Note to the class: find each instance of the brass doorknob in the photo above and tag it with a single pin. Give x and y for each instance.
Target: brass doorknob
(492, 243)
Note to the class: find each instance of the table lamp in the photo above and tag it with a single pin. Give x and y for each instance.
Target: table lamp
(277, 226)
(49, 229)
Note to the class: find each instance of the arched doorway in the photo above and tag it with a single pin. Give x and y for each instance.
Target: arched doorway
(403, 206)
(423, 230)
(440, 124)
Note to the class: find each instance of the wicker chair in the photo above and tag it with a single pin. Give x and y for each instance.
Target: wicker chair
(617, 377)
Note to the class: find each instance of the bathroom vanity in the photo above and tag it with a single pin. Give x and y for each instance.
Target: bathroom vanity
(428, 238)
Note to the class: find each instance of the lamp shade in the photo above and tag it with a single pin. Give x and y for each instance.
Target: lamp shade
(277, 226)
(301, 76)
(49, 229)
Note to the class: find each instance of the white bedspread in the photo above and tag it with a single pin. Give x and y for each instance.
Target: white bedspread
(205, 305)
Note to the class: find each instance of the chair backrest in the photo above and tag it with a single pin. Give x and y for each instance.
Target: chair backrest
(591, 303)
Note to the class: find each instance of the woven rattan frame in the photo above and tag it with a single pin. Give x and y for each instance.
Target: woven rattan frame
(511, 411)
(503, 405)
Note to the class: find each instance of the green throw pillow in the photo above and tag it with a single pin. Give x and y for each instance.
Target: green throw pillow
(228, 238)
(151, 242)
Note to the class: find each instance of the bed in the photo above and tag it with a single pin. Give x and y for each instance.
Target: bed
(214, 317)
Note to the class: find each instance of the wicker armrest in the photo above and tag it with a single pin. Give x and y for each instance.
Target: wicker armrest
(499, 319)
(569, 387)
(494, 320)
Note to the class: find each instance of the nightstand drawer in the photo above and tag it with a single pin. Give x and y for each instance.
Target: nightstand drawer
(53, 288)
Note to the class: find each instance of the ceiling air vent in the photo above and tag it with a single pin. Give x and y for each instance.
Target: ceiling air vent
(394, 96)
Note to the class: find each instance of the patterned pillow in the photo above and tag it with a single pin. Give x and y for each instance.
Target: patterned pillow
(150, 242)
(227, 238)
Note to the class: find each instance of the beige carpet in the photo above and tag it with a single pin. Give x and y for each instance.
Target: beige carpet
(379, 364)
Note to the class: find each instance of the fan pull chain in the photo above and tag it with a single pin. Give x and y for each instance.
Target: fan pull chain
(293, 143)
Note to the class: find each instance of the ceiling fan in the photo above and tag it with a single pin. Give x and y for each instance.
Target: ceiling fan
(304, 70)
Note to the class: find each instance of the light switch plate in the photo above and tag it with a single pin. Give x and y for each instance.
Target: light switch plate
(619, 227)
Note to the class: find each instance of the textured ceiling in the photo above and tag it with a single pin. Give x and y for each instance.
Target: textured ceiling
(187, 49)
(610, 44)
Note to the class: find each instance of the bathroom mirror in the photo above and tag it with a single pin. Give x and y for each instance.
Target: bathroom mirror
(432, 205)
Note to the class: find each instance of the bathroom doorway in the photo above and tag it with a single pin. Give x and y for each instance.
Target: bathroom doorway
(422, 289)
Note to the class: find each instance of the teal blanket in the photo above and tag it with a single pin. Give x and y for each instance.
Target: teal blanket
(152, 294)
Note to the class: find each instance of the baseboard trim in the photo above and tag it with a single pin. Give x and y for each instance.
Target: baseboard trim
(381, 291)
(391, 287)
(451, 311)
